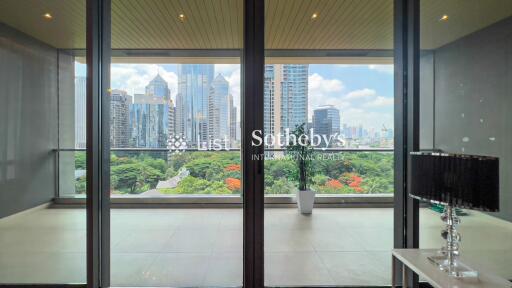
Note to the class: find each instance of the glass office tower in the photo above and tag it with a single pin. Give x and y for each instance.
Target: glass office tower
(194, 82)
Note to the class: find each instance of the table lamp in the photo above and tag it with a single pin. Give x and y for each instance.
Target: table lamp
(455, 181)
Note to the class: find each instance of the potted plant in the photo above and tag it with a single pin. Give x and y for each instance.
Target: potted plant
(301, 151)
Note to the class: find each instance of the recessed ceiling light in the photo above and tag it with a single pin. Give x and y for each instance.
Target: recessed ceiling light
(182, 17)
(314, 16)
(47, 16)
(444, 18)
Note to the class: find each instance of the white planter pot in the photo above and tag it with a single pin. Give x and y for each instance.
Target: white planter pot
(305, 201)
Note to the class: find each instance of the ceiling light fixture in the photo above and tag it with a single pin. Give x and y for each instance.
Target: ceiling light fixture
(181, 17)
(444, 18)
(314, 16)
(47, 16)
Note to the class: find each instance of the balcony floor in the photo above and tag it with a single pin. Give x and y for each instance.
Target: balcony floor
(203, 247)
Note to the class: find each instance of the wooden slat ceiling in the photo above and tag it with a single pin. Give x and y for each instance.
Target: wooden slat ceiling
(351, 24)
(217, 24)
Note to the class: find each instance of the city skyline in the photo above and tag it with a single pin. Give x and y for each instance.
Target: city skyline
(357, 96)
(204, 111)
(363, 93)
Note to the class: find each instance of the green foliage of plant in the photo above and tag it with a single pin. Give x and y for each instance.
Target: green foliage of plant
(80, 160)
(170, 172)
(139, 172)
(222, 158)
(284, 168)
(193, 185)
(302, 153)
(81, 185)
(134, 178)
(205, 168)
(319, 179)
(281, 186)
(375, 168)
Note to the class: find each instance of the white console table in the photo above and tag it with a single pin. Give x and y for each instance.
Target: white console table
(416, 260)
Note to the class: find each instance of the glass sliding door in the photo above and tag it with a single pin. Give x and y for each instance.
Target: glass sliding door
(465, 100)
(42, 142)
(175, 143)
(328, 133)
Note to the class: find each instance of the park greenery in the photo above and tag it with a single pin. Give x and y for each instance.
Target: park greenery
(219, 172)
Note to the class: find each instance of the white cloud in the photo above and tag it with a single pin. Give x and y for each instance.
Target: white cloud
(133, 78)
(380, 101)
(362, 106)
(361, 95)
(384, 68)
(226, 69)
(320, 85)
(367, 108)
(323, 91)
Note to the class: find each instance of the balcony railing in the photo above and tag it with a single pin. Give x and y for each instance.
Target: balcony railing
(362, 175)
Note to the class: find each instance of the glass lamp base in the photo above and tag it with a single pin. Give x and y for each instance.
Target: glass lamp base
(454, 269)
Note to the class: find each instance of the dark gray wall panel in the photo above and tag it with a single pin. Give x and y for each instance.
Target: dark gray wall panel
(28, 121)
(427, 100)
(473, 100)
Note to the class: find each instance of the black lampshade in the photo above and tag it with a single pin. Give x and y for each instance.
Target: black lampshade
(464, 181)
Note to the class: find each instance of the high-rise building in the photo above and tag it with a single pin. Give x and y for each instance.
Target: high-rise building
(285, 97)
(194, 82)
(119, 119)
(233, 126)
(326, 121)
(80, 112)
(218, 109)
(171, 119)
(159, 88)
(149, 115)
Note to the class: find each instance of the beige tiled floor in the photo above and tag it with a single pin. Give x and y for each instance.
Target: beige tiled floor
(203, 247)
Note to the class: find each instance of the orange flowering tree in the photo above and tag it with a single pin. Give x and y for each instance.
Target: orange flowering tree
(332, 186)
(353, 181)
(232, 168)
(233, 184)
(333, 183)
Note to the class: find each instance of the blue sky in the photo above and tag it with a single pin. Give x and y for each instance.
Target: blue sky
(362, 93)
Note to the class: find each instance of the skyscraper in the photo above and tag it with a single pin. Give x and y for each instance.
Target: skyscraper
(159, 88)
(326, 121)
(149, 115)
(119, 117)
(218, 109)
(171, 119)
(80, 112)
(233, 124)
(194, 82)
(285, 97)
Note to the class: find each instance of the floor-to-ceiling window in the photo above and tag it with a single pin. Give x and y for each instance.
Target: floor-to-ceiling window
(175, 143)
(328, 136)
(175, 140)
(43, 121)
(465, 89)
